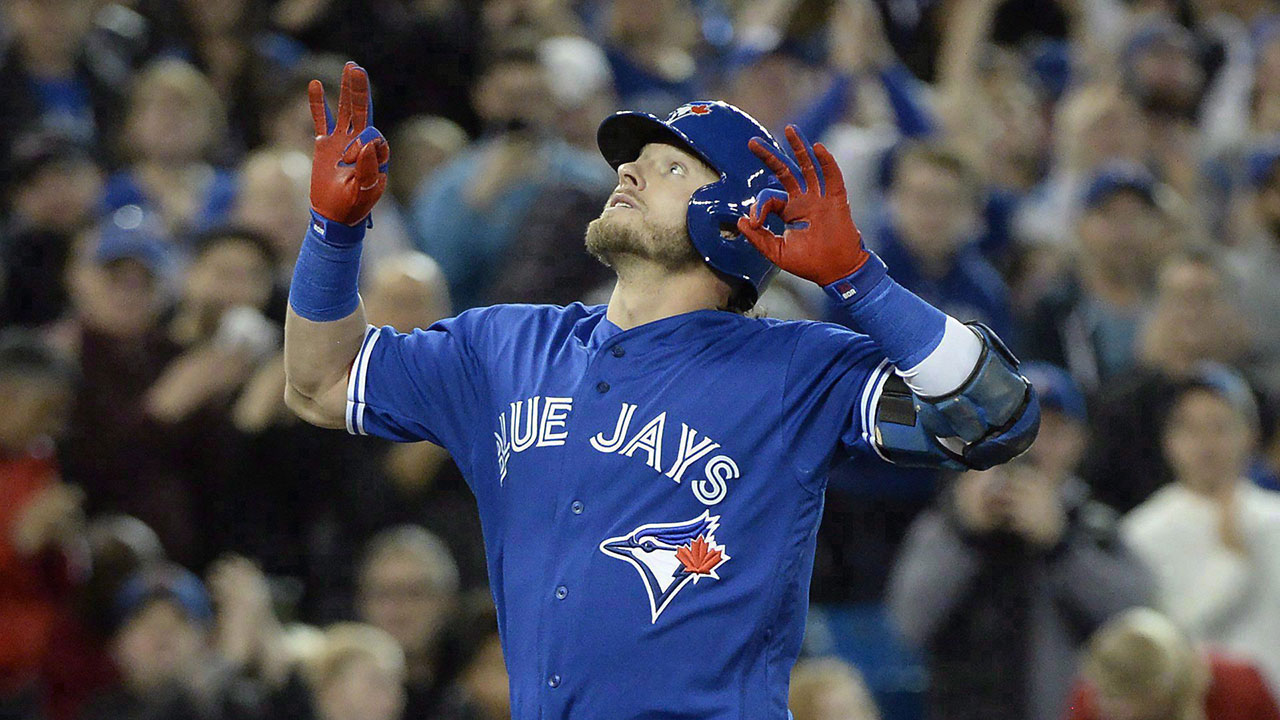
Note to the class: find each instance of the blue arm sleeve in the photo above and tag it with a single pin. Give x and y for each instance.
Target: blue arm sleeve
(424, 385)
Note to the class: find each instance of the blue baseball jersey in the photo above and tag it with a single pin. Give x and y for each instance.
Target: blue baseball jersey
(649, 497)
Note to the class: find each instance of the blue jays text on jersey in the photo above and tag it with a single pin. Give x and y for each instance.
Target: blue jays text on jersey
(650, 497)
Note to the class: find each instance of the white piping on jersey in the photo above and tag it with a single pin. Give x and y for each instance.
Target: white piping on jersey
(356, 384)
(871, 401)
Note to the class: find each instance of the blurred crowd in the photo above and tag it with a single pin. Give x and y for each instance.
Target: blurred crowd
(1097, 180)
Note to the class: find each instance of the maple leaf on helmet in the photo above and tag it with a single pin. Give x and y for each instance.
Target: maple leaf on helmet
(698, 558)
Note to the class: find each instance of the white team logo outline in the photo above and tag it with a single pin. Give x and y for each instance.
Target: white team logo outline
(653, 549)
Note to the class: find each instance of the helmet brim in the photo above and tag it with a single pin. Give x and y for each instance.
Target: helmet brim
(623, 135)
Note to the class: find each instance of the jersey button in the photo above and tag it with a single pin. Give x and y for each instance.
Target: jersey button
(602, 386)
(554, 681)
(576, 507)
(618, 351)
(562, 592)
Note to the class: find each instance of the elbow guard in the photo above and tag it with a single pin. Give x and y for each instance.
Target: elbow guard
(990, 419)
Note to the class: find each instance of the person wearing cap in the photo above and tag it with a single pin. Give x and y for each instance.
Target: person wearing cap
(1193, 319)
(1005, 578)
(169, 667)
(55, 192)
(1089, 323)
(1254, 264)
(1210, 536)
(125, 461)
(1160, 66)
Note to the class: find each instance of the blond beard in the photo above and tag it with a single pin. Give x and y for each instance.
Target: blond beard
(612, 242)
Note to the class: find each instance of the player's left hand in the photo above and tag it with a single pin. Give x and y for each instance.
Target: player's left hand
(820, 242)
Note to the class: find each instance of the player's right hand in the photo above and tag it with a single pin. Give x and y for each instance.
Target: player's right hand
(349, 168)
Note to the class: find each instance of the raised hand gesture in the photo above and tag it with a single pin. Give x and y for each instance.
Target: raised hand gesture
(349, 168)
(820, 242)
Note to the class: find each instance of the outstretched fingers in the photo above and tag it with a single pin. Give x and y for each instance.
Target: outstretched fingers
(777, 165)
(361, 102)
(321, 117)
(804, 158)
(344, 97)
(830, 170)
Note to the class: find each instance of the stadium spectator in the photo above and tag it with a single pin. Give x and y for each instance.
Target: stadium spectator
(168, 668)
(1193, 320)
(41, 518)
(285, 118)
(231, 273)
(78, 665)
(928, 238)
(651, 51)
(424, 144)
(829, 689)
(55, 193)
(1089, 322)
(409, 588)
(357, 675)
(228, 41)
(115, 451)
(474, 209)
(1141, 666)
(53, 79)
(1004, 581)
(1095, 124)
(1208, 536)
(1255, 261)
(174, 128)
(1160, 68)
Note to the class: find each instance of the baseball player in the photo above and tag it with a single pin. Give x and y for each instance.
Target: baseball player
(650, 473)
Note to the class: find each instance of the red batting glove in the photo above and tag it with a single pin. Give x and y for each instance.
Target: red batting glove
(349, 168)
(820, 242)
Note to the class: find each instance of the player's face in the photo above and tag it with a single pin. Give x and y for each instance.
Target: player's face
(645, 216)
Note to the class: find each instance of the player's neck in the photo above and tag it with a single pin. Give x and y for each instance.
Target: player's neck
(646, 293)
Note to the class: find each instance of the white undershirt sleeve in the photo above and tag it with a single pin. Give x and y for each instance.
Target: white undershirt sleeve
(949, 365)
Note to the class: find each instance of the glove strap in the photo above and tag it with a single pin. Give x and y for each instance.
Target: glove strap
(325, 283)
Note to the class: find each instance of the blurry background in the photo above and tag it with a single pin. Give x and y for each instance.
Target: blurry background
(1095, 179)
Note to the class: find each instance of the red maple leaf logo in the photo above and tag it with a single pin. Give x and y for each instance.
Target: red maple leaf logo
(699, 109)
(698, 559)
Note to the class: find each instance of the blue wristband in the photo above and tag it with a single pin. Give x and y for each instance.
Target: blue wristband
(325, 283)
(905, 327)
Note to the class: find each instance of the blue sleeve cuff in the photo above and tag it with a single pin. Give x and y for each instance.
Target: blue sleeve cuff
(325, 284)
(905, 327)
(857, 286)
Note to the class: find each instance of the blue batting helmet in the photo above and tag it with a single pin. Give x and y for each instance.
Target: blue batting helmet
(718, 133)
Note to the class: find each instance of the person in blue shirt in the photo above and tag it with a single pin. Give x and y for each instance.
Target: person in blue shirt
(929, 235)
(649, 473)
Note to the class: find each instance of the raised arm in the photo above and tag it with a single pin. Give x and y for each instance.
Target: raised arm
(963, 403)
(325, 323)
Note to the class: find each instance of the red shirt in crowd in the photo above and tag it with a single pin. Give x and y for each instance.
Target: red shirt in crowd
(1237, 691)
(33, 590)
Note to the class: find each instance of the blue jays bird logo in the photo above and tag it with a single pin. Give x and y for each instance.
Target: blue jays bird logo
(669, 556)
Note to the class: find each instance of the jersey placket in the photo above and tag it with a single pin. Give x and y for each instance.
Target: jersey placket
(575, 525)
